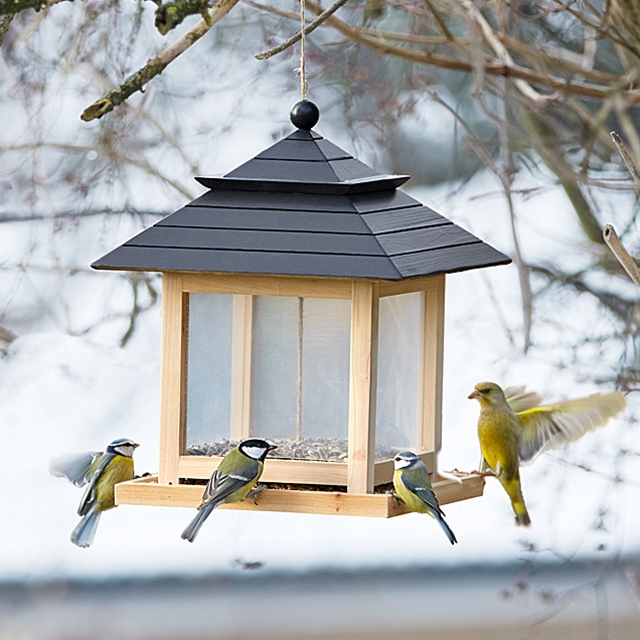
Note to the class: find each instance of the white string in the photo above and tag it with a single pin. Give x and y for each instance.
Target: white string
(303, 69)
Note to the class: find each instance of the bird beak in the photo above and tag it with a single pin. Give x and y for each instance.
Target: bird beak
(135, 445)
(272, 446)
(474, 394)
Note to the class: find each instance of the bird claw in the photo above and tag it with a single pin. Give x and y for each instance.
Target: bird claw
(254, 494)
(483, 474)
(393, 494)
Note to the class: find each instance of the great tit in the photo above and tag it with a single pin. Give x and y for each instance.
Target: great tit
(101, 472)
(413, 487)
(233, 480)
(514, 429)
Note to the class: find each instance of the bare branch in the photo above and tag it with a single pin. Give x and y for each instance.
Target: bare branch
(71, 215)
(628, 160)
(265, 55)
(157, 65)
(612, 239)
(5, 22)
(501, 69)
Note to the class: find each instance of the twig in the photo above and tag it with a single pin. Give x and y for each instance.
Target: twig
(612, 239)
(157, 65)
(512, 71)
(501, 52)
(628, 160)
(265, 55)
(5, 22)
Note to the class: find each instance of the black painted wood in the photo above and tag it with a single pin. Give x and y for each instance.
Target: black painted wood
(259, 262)
(305, 207)
(426, 239)
(293, 150)
(250, 240)
(225, 218)
(414, 217)
(449, 260)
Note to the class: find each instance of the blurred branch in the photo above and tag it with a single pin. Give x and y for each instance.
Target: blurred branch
(29, 217)
(157, 65)
(265, 55)
(5, 22)
(501, 69)
(612, 239)
(628, 160)
(11, 7)
(170, 15)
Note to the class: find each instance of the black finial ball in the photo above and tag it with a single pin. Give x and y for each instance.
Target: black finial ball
(304, 115)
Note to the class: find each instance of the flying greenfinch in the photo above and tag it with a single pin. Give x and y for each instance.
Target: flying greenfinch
(514, 429)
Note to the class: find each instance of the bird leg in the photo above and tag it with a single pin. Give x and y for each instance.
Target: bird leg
(395, 496)
(254, 494)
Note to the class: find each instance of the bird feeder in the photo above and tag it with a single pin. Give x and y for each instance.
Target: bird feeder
(303, 302)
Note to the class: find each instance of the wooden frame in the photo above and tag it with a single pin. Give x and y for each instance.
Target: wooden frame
(360, 474)
(147, 491)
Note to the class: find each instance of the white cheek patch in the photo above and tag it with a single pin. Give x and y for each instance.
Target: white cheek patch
(402, 463)
(253, 452)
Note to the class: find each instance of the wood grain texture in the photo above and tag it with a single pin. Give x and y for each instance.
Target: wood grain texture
(434, 305)
(150, 493)
(287, 471)
(241, 337)
(362, 386)
(173, 361)
(257, 285)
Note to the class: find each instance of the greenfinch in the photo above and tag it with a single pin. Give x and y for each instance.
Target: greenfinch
(413, 486)
(233, 481)
(514, 429)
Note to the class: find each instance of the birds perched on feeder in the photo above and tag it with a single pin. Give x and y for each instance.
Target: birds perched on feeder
(412, 485)
(101, 472)
(514, 429)
(233, 481)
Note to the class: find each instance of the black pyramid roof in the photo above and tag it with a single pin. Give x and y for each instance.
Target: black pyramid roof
(305, 207)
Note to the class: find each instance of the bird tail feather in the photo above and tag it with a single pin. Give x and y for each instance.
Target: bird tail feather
(446, 528)
(191, 531)
(85, 531)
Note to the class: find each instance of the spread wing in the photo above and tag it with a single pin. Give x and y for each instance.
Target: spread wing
(89, 496)
(74, 467)
(552, 426)
(222, 485)
(423, 490)
(519, 399)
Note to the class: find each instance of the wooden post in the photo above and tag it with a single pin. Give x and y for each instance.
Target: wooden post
(172, 391)
(362, 386)
(433, 362)
(241, 366)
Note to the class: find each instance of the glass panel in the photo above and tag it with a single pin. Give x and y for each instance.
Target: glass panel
(300, 376)
(209, 370)
(286, 359)
(400, 371)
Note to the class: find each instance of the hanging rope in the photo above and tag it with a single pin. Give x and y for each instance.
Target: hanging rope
(303, 69)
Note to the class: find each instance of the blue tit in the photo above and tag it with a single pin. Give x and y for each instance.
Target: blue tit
(100, 472)
(233, 480)
(413, 487)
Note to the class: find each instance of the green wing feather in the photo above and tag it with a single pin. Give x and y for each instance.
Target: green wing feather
(551, 426)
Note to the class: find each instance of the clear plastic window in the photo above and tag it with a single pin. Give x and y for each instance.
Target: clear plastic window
(291, 355)
(400, 374)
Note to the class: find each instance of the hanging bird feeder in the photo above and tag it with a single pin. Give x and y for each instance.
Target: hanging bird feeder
(303, 303)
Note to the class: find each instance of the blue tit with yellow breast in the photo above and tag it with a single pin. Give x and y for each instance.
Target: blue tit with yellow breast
(233, 480)
(100, 472)
(413, 487)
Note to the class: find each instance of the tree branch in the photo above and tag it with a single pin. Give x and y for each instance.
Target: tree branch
(5, 22)
(512, 71)
(157, 65)
(170, 15)
(265, 55)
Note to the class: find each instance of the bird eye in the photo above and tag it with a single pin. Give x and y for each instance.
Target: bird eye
(485, 391)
